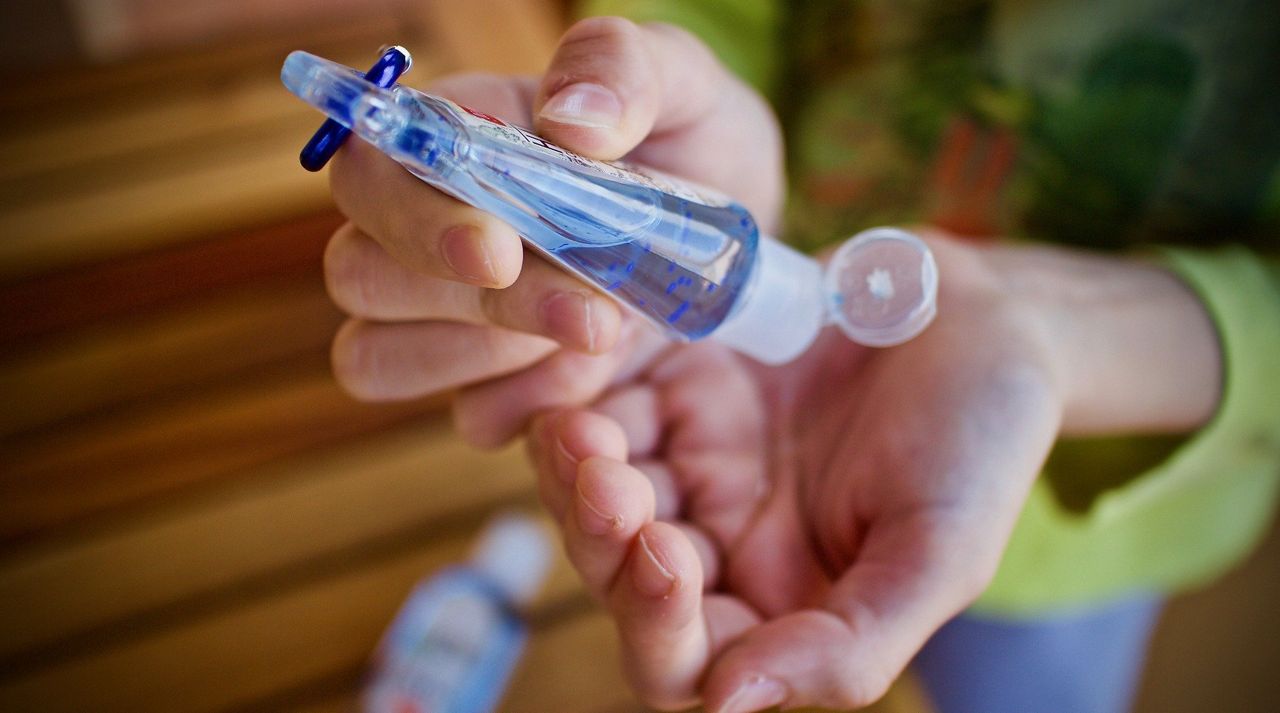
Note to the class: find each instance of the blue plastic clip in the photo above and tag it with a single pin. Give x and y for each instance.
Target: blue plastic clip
(394, 62)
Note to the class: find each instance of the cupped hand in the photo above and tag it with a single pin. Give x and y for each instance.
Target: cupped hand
(794, 535)
(761, 536)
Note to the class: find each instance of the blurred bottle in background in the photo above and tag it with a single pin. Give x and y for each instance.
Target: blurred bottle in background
(456, 640)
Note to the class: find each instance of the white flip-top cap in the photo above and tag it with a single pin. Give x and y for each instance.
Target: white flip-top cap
(514, 552)
(880, 288)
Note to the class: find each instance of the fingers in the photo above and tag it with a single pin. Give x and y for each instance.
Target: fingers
(657, 605)
(367, 282)
(559, 442)
(651, 575)
(636, 409)
(648, 574)
(491, 413)
(612, 83)
(807, 658)
(386, 362)
(611, 502)
(696, 377)
(720, 490)
(424, 229)
(911, 576)
(430, 232)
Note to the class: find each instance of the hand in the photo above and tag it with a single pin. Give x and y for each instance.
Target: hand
(761, 536)
(793, 536)
(444, 296)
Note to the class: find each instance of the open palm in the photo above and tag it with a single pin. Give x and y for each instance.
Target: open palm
(794, 535)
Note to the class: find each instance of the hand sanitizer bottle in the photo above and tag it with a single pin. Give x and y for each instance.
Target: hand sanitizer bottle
(685, 258)
(458, 637)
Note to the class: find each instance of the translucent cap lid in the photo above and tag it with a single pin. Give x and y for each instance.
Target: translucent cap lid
(514, 553)
(882, 287)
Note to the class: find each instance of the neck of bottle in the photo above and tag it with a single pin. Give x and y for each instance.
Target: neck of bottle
(782, 309)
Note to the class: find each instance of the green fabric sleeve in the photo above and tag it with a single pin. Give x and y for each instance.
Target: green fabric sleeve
(1199, 511)
(742, 33)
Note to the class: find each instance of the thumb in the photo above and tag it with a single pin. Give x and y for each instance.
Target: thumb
(612, 83)
(909, 579)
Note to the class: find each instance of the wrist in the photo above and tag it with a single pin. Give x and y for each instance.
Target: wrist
(1130, 346)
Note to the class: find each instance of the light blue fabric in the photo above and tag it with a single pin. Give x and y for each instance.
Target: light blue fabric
(1084, 662)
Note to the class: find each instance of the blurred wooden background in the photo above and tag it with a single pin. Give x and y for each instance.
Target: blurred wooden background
(192, 515)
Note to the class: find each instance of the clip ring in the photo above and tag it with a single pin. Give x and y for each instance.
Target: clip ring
(395, 61)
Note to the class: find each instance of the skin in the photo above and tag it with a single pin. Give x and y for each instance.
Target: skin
(762, 536)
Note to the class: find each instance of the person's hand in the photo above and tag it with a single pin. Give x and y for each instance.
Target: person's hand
(793, 535)
(761, 536)
(777, 535)
(444, 297)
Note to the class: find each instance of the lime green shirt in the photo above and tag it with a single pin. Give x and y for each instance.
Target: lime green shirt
(1113, 125)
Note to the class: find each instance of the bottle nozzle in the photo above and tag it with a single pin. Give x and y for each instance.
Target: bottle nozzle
(880, 288)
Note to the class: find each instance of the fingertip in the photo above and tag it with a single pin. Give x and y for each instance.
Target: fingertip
(613, 499)
(582, 320)
(805, 658)
(583, 105)
(754, 692)
(483, 253)
(664, 563)
(584, 435)
(599, 96)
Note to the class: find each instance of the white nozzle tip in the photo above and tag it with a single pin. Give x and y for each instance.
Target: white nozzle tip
(882, 287)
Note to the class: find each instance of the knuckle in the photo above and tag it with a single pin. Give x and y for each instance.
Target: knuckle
(565, 375)
(688, 42)
(604, 29)
(608, 49)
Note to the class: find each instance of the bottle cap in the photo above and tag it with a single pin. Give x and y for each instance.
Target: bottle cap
(514, 553)
(882, 287)
(781, 309)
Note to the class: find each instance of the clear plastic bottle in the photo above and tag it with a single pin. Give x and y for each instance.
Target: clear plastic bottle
(457, 638)
(687, 259)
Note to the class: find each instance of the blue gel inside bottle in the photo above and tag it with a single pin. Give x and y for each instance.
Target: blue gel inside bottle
(677, 255)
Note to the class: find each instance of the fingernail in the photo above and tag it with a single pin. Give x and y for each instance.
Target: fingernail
(466, 252)
(594, 519)
(567, 318)
(584, 104)
(650, 575)
(755, 694)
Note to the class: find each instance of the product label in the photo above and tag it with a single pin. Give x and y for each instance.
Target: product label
(483, 123)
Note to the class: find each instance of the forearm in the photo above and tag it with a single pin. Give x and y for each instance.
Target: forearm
(1134, 350)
